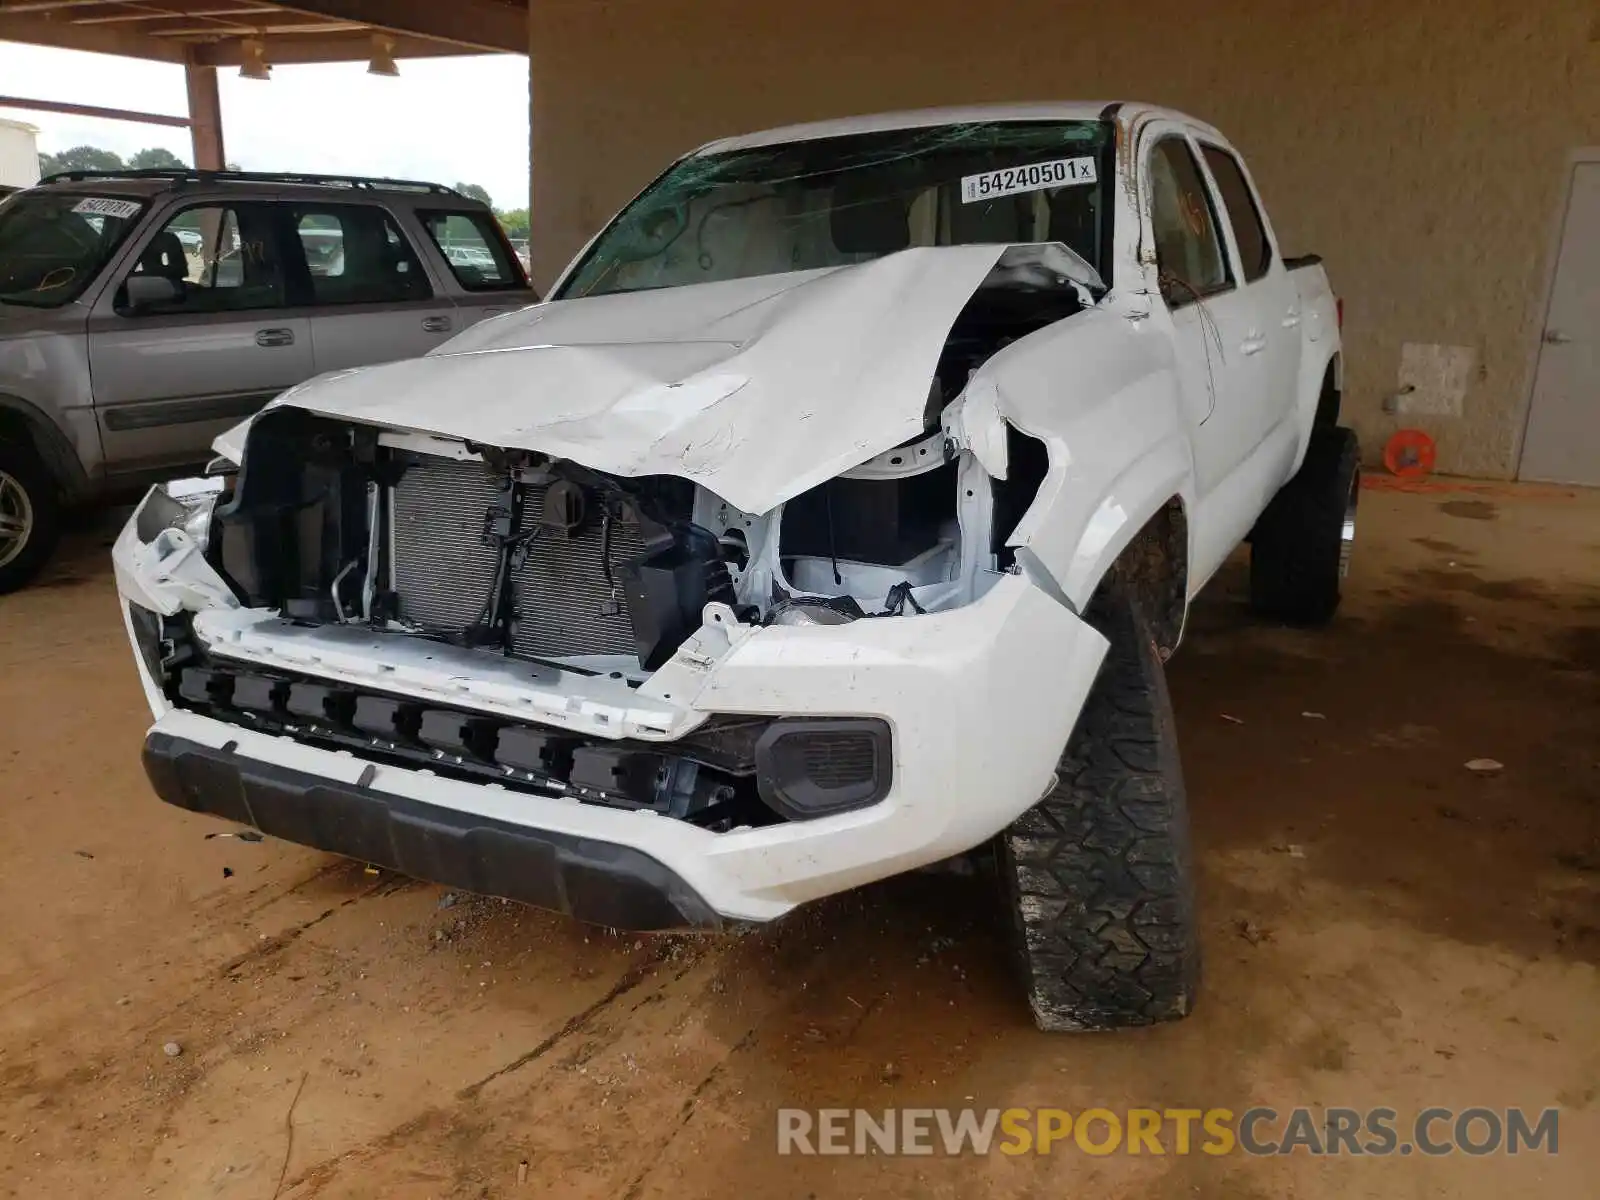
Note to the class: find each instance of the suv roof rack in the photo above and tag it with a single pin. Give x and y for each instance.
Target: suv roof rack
(183, 175)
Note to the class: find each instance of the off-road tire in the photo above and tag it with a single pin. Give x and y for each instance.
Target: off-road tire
(1299, 550)
(1098, 874)
(20, 464)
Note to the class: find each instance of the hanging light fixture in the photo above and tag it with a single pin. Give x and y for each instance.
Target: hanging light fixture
(382, 61)
(253, 63)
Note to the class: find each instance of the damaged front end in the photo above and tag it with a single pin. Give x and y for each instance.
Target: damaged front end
(858, 659)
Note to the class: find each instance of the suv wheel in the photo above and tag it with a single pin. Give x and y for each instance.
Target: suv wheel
(30, 515)
(1098, 874)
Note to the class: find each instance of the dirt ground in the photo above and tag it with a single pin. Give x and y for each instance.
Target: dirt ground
(1382, 927)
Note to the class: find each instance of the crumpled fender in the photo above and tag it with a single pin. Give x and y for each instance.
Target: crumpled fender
(1114, 428)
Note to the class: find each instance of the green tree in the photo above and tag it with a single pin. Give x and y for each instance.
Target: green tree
(156, 158)
(80, 158)
(473, 191)
(515, 223)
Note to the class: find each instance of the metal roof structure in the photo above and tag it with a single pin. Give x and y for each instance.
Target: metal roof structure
(214, 33)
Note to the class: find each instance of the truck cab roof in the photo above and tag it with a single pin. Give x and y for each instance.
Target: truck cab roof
(1057, 110)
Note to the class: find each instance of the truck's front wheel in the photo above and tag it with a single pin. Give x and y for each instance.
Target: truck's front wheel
(1099, 873)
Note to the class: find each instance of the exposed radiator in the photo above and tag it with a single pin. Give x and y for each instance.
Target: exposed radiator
(443, 570)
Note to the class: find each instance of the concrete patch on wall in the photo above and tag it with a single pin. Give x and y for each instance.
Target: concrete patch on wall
(1434, 378)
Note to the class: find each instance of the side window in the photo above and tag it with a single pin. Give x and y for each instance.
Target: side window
(222, 258)
(475, 250)
(1188, 249)
(355, 254)
(1255, 251)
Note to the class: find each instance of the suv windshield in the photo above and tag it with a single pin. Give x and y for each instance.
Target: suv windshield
(52, 244)
(834, 201)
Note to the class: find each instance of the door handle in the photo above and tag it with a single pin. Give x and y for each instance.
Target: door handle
(1253, 343)
(1554, 337)
(274, 337)
(1291, 318)
(436, 324)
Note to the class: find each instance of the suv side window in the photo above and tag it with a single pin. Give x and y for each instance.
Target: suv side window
(475, 250)
(1255, 250)
(223, 257)
(356, 254)
(1188, 249)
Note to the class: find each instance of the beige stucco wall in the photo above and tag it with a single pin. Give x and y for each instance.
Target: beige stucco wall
(1419, 145)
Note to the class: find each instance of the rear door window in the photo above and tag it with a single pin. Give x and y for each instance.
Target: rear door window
(475, 249)
(1255, 250)
(356, 254)
(1188, 247)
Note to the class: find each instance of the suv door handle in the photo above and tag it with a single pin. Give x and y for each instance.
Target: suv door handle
(1291, 318)
(436, 324)
(274, 337)
(1253, 343)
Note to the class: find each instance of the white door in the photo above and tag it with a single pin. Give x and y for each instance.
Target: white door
(1563, 439)
(1267, 295)
(1215, 326)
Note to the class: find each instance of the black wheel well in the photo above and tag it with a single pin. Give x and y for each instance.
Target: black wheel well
(20, 425)
(1152, 573)
(1329, 399)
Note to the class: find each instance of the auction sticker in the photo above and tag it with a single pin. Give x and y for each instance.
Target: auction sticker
(1008, 181)
(101, 206)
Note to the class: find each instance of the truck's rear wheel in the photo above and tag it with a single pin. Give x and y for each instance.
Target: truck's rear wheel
(30, 515)
(1300, 548)
(1099, 873)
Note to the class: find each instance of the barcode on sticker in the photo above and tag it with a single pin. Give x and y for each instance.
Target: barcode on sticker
(1035, 177)
(100, 206)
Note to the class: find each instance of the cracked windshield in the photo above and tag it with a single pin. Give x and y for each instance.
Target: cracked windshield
(831, 202)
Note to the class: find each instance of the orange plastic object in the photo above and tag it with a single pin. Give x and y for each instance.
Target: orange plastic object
(1410, 454)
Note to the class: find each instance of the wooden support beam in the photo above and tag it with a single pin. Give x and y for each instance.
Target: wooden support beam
(205, 118)
(47, 6)
(36, 30)
(475, 24)
(93, 110)
(153, 14)
(288, 51)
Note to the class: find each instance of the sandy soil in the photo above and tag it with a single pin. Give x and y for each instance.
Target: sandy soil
(1382, 927)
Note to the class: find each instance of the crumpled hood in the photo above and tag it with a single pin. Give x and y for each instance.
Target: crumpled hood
(755, 388)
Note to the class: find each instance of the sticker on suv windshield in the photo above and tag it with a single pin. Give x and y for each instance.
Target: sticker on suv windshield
(1008, 181)
(100, 206)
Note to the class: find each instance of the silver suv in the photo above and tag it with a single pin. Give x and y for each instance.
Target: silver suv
(144, 312)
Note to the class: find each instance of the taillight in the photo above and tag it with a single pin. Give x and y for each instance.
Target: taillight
(1338, 308)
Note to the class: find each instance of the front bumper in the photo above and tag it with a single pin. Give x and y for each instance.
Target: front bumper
(979, 700)
(594, 881)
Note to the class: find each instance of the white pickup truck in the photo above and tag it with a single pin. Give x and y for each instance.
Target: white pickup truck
(833, 517)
